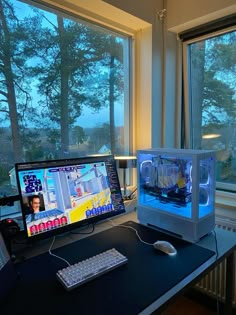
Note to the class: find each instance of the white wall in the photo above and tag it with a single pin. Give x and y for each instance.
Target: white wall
(142, 110)
(185, 14)
(157, 116)
(143, 9)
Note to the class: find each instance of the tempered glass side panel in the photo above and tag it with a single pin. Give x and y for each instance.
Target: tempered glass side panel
(164, 183)
(179, 185)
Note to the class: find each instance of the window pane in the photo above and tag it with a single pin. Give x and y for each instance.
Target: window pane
(212, 64)
(63, 88)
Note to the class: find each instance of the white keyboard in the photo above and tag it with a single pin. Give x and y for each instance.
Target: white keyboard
(88, 269)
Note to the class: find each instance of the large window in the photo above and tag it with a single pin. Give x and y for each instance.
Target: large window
(211, 101)
(64, 87)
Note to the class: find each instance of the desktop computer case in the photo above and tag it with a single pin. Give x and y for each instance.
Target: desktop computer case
(176, 191)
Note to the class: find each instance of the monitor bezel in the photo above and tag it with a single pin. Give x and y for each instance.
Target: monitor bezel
(67, 162)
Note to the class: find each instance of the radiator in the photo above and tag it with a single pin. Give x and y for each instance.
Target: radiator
(213, 284)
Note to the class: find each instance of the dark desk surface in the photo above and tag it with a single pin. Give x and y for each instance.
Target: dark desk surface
(130, 289)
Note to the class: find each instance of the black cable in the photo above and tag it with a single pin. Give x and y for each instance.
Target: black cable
(129, 196)
(216, 244)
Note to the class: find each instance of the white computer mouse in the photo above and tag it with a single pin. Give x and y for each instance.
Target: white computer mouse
(165, 247)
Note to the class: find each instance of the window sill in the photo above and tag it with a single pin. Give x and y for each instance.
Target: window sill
(225, 206)
(225, 198)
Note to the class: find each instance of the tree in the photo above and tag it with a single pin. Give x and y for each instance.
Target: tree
(218, 100)
(81, 69)
(17, 46)
(111, 82)
(99, 137)
(115, 59)
(79, 135)
(65, 71)
(7, 83)
(51, 68)
(213, 82)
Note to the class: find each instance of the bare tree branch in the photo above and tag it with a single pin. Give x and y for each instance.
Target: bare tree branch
(4, 111)
(3, 93)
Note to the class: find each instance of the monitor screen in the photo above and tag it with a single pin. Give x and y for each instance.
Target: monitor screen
(63, 194)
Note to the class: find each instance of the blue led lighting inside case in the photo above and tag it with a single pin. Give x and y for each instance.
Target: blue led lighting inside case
(176, 191)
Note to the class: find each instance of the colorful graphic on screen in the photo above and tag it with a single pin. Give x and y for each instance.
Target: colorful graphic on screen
(57, 196)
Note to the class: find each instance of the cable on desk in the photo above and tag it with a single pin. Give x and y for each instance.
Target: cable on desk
(50, 248)
(54, 238)
(131, 228)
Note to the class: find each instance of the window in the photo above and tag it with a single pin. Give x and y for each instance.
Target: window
(211, 101)
(64, 87)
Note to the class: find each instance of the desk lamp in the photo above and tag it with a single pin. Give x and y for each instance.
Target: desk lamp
(125, 162)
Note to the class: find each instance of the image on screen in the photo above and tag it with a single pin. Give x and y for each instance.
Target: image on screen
(67, 193)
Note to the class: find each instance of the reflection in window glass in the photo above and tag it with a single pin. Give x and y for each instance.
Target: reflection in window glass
(212, 90)
(63, 88)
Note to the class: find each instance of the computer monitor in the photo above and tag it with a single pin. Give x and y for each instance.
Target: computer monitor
(60, 195)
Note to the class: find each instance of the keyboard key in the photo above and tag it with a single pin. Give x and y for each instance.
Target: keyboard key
(88, 269)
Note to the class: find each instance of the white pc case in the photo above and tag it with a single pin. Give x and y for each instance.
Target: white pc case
(176, 191)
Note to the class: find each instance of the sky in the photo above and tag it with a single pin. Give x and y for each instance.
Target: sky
(89, 119)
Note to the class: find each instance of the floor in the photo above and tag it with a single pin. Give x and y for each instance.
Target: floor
(186, 306)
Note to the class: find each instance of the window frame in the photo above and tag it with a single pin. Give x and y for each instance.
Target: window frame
(224, 194)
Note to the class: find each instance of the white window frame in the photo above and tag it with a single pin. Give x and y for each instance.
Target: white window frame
(223, 197)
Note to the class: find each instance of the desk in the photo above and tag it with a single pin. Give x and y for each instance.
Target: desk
(139, 287)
